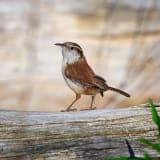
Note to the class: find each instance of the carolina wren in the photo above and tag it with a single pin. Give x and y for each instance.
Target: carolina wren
(80, 77)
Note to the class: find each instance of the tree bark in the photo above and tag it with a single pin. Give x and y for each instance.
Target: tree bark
(85, 135)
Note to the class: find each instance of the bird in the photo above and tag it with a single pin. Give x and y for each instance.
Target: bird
(80, 77)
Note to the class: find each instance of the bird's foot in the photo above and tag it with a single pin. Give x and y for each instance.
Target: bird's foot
(87, 109)
(69, 110)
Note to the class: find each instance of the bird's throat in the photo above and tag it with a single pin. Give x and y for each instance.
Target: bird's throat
(70, 58)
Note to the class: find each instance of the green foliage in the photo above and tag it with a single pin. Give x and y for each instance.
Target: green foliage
(147, 157)
(156, 147)
(155, 116)
(156, 120)
(129, 158)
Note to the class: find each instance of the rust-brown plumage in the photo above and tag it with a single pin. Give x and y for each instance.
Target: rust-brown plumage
(81, 72)
(79, 75)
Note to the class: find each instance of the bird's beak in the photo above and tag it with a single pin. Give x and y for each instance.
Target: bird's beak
(59, 44)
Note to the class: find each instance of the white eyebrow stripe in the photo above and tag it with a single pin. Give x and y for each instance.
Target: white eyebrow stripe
(75, 46)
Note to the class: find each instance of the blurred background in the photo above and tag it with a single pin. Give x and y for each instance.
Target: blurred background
(120, 39)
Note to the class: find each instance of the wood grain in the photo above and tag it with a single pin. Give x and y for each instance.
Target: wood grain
(86, 135)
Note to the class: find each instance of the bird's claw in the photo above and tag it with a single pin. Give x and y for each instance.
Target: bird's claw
(69, 110)
(87, 109)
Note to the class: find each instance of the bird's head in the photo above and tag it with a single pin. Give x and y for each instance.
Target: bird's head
(70, 50)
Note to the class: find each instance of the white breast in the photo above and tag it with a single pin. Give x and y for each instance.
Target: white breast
(69, 58)
(75, 86)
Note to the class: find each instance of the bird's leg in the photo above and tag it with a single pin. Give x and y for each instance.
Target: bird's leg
(91, 105)
(69, 107)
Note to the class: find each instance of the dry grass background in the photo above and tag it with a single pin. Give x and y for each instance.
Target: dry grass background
(120, 40)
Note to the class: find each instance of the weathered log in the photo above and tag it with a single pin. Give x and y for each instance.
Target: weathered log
(85, 135)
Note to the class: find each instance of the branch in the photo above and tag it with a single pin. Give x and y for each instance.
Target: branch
(82, 135)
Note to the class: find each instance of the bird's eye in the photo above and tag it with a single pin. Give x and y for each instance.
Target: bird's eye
(71, 48)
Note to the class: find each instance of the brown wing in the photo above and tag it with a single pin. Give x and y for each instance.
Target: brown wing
(101, 82)
(83, 74)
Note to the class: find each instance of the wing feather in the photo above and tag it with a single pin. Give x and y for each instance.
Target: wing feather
(81, 72)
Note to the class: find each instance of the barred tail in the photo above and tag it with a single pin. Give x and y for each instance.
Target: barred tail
(119, 91)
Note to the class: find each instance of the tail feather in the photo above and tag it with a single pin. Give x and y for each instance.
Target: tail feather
(119, 91)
